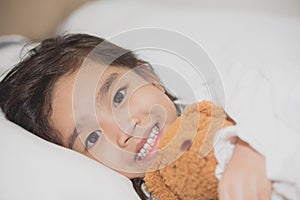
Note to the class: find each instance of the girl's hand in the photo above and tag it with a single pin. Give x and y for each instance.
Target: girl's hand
(245, 176)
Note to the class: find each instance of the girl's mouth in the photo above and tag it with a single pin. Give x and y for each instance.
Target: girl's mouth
(150, 144)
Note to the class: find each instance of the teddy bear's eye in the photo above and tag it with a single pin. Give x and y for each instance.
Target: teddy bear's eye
(186, 145)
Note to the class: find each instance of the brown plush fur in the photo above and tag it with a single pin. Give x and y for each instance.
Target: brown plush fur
(186, 149)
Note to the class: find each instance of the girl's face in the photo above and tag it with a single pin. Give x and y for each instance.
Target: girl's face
(112, 115)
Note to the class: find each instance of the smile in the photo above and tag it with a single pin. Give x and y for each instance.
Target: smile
(150, 142)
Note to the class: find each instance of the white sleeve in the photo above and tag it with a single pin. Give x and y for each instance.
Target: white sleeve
(265, 104)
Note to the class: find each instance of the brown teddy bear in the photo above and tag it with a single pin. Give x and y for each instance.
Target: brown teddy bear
(186, 163)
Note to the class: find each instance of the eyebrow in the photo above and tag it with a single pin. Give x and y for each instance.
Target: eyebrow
(102, 92)
(107, 83)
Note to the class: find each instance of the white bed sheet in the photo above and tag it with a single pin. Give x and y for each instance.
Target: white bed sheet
(260, 48)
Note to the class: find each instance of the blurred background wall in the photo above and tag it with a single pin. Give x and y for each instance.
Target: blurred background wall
(35, 19)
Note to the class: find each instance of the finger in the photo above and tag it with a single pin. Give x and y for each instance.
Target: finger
(223, 194)
(265, 191)
(244, 190)
(234, 188)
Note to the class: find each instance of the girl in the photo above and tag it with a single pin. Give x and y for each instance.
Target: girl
(89, 95)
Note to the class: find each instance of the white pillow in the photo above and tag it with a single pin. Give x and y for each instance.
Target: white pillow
(32, 168)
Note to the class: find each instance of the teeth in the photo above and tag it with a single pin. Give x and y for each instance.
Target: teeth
(147, 146)
(139, 156)
(143, 151)
(155, 130)
(149, 143)
(152, 135)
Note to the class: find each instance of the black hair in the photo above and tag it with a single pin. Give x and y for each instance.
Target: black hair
(26, 91)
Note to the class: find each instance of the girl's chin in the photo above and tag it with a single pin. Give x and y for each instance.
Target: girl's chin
(131, 175)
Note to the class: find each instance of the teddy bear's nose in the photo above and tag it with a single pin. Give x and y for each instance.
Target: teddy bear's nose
(186, 145)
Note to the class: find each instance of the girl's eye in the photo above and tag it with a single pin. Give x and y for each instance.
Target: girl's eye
(92, 139)
(119, 96)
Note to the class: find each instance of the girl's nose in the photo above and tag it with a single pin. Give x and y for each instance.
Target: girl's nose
(129, 131)
(123, 140)
(135, 122)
